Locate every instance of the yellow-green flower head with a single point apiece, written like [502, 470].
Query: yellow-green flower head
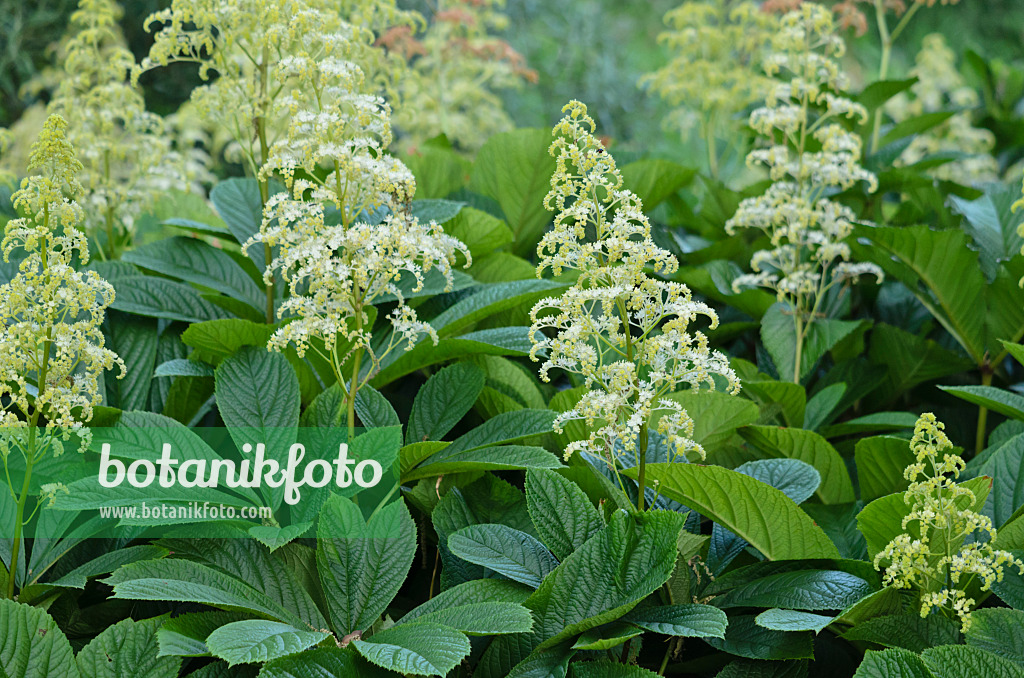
[51, 346]
[806, 230]
[456, 68]
[939, 87]
[931, 556]
[716, 47]
[127, 159]
[626, 334]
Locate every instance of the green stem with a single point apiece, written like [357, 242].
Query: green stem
[979, 436]
[641, 476]
[799, 345]
[664, 660]
[353, 384]
[261, 133]
[709, 139]
[883, 69]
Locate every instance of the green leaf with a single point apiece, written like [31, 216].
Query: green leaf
[964, 661]
[691, 621]
[778, 619]
[218, 339]
[257, 388]
[999, 631]
[809, 447]
[877, 93]
[256, 640]
[435, 209]
[439, 171]
[910, 360]
[362, 570]
[195, 261]
[992, 224]
[998, 400]
[470, 595]
[183, 367]
[321, 663]
[504, 428]
[892, 663]
[654, 180]
[500, 458]
[880, 463]
[907, 631]
[128, 649]
[760, 514]
[744, 638]
[185, 635]
[481, 619]
[239, 204]
[481, 232]
[374, 410]
[186, 581]
[606, 637]
[485, 301]
[443, 400]
[515, 169]
[609, 669]
[135, 340]
[507, 551]
[32, 645]
[778, 334]
[1006, 468]
[106, 563]
[879, 422]
[420, 648]
[914, 126]
[561, 512]
[796, 479]
[799, 590]
[162, 298]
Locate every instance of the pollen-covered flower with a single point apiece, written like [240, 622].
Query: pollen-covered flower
[932, 555]
[456, 69]
[940, 87]
[716, 47]
[623, 332]
[806, 228]
[127, 159]
[51, 346]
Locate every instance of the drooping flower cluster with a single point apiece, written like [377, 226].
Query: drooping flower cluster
[623, 332]
[940, 87]
[932, 556]
[336, 257]
[127, 158]
[714, 73]
[51, 346]
[456, 68]
[805, 227]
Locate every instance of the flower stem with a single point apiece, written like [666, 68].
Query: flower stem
[261, 133]
[979, 436]
[641, 477]
[799, 347]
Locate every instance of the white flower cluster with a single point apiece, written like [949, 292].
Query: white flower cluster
[127, 159]
[624, 333]
[935, 559]
[805, 227]
[51, 346]
[939, 87]
[336, 260]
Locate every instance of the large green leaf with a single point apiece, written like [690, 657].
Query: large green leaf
[910, 360]
[128, 649]
[162, 298]
[880, 463]
[135, 340]
[481, 619]
[892, 663]
[257, 640]
[998, 400]
[654, 180]
[507, 551]
[1006, 468]
[195, 261]
[778, 334]
[419, 648]
[691, 621]
[487, 300]
[239, 204]
[998, 630]
[32, 645]
[257, 388]
[992, 223]
[504, 428]
[561, 512]
[778, 619]
[744, 638]
[908, 631]
[362, 569]
[441, 402]
[498, 458]
[758, 513]
[809, 447]
[481, 232]
[609, 669]
[511, 341]
[185, 635]
[800, 590]
[965, 661]
[186, 581]
[515, 169]
[321, 663]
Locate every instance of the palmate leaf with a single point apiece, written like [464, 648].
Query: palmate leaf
[602, 580]
[362, 571]
[507, 551]
[32, 645]
[128, 649]
[420, 648]
[760, 514]
[257, 640]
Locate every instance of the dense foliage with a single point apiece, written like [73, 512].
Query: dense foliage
[643, 413]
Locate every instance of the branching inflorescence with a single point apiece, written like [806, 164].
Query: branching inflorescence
[810, 157]
[933, 555]
[623, 332]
